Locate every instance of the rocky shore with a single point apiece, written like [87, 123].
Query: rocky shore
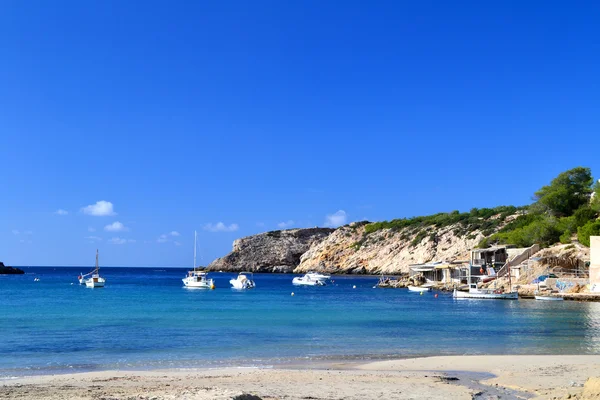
[4, 270]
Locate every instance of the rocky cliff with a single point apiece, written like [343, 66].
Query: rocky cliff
[4, 270]
[276, 251]
[367, 248]
[349, 250]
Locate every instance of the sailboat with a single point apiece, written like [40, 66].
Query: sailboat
[197, 278]
[95, 281]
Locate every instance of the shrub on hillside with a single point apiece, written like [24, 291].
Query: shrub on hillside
[592, 228]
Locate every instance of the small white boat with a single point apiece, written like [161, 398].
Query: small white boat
[419, 288]
[306, 280]
[197, 278]
[318, 276]
[244, 280]
[485, 294]
[95, 281]
[548, 298]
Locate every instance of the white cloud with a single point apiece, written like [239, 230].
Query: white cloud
[15, 232]
[176, 243]
[284, 225]
[93, 238]
[117, 240]
[221, 227]
[91, 229]
[162, 239]
[336, 219]
[116, 227]
[102, 208]
[174, 233]
[28, 233]
[260, 224]
[60, 211]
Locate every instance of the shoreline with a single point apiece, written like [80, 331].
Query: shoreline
[437, 377]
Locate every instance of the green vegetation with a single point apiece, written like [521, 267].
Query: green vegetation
[567, 205]
[566, 193]
[561, 208]
[592, 228]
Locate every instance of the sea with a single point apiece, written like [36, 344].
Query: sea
[145, 319]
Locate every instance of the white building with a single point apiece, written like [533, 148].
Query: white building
[595, 263]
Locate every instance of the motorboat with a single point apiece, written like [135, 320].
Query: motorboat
[95, 280]
[476, 293]
[318, 276]
[197, 278]
[419, 288]
[244, 280]
[549, 298]
[546, 297]
[306, 280]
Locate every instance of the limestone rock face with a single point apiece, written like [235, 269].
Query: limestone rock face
[276, 251]
[349, 251]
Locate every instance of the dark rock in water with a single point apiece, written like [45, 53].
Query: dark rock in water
[246, 396]
[276, 251]
[4, 270]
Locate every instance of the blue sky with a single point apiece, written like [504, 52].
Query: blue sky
[233, 117]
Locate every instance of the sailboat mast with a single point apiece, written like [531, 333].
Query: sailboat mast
[195, 236]
[96, 260]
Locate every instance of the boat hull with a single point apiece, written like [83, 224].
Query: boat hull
[549, 298]
[198, 284]
[306, 282]
[418, 289]
[236, 284]
[491, 296]
[95, 284]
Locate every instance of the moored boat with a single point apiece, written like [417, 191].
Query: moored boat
[485, 294]
[306, 280]
[244, 280]
[548, 298]
[197, 278]
[475, 292]
[95, 280]
[419, 289]
[318, 276]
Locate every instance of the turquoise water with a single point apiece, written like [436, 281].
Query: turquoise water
[144, 318]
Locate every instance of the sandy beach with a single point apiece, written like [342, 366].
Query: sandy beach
[451, 377]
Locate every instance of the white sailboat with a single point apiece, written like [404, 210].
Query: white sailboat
[95, 280]
[197, 278]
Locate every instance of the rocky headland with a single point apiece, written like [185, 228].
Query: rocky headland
[275, 251]
[4, 270]
[364, 247]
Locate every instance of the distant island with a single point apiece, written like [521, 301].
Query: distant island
[4, 270]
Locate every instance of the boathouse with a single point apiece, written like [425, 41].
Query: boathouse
[440, 272]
